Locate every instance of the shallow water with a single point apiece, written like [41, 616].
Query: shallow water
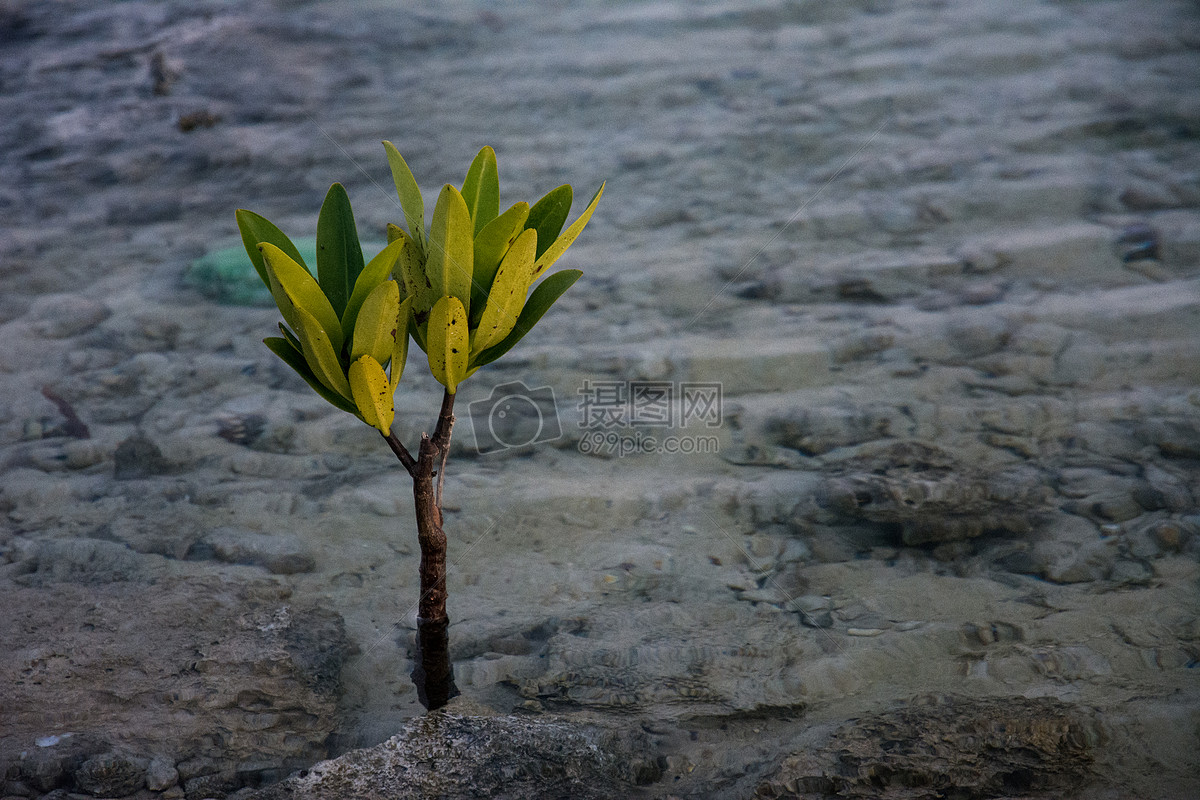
[942, 260]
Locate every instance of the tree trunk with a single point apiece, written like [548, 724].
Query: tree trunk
[432, 672]
[432, 605]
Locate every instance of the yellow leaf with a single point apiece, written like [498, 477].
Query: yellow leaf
[375, 330]
[451, 254]
[560, 245]
[294, 288]
[447, 342]
[377, 270]
[507, 295]
[372, 394]
[319, 353]
[400, 346]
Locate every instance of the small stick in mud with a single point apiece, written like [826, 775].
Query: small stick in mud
[73, 426]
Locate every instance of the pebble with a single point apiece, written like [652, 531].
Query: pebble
[110, 775]
[816, 611]
[864, 632]
[161, 774]
[280, 554]
[1171, 536]
[138, 457]
[64, 316]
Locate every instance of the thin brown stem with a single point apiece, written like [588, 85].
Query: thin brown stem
[441, 438]
[401, 452]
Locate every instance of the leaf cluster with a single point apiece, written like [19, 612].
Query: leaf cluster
[459, 289]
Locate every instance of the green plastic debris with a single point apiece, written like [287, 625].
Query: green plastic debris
[228, 277]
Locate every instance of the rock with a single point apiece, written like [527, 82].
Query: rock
[456, 756]
[161, 774]
[216, 784]
[160, 667]
[281, 554]
[929, 493]
[138, 457]
[1063, 562]
[1175, 437]
[814, 431]
[111, 775]
[975, 335]
[1172, 536]
[815, 611]
[952, 746]
[64, 316]
[81, 562]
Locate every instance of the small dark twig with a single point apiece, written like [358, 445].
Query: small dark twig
[441, 438]
[74, 426]
[401, 452]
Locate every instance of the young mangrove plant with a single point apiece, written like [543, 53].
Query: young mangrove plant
[460, 290]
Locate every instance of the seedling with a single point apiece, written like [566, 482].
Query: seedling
[459, 289]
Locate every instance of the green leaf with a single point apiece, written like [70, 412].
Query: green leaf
[417, 329]
[255, 230]
[375, 333]
[339, 255]
[548, 215]
[400, 345]
[491, 244]
[481, 189]
[291, 337]
[410, 271]
[372, 394]
[451, 253]
[554, 251]
[449, 344]
[373, 274]
[507, 295]
[320, 354]
[295, 289]
[410, 195]
[292, 356]
[538, 304]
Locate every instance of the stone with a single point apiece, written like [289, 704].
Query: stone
[64, 316]
[158, 667]
[1061, 562]
[216, 784]
[814, 431]
[138, 457]
[456, 756]
[82, 562]
[929, 493]
[281, 554]
[111, 775]
[161, 774]
[947, 746]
